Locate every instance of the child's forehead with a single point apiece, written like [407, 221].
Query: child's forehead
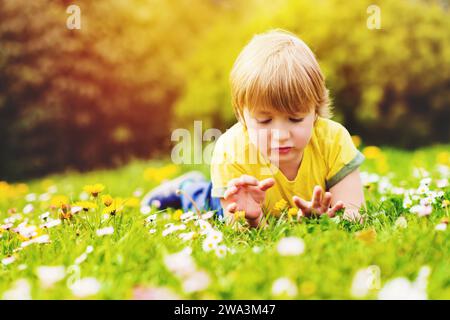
[273, 111]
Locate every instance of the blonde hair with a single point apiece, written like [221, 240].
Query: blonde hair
[277, 70]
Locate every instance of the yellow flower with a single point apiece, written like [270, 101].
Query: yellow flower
[177, 214]
[94, 189]
[65, 212]
[445, 203]
[132, 202]
[107, 200]
[356, 140]
[116, 206]
[160, 174]
[372, 152]
[58, 201]
[239, 214]
[443, 158]
[292, 212]
[367, 236]
[279, 206]
[86, 205]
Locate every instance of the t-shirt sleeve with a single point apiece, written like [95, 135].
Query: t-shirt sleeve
[343, 157]
[223, 169]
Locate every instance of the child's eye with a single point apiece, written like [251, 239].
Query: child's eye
[264, 121]
[296, 119]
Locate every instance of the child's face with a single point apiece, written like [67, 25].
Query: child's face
[280, 137]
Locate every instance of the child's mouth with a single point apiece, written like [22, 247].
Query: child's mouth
[283, 150]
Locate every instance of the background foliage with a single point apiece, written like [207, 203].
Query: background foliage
[95, 97]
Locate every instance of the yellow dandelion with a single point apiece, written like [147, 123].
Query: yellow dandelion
[443, 158]
[86, 205]
[292, 212]
[240, 214]
[445, 203]
[94, 189]
[132, 202]
[372, 152]
[367, 236]
[116, 207]
[58, 200]
[356, 140]
[107, 200]
[65, 213]
[279, 206]
[159, 174]
[177, 214]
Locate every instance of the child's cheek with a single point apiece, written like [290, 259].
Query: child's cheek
[301, 137]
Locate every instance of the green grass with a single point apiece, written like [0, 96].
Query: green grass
[132, 257]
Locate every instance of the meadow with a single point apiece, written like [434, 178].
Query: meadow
[86, 236]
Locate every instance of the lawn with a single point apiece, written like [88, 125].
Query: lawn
[58, 241]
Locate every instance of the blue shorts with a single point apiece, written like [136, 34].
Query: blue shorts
[200, 192]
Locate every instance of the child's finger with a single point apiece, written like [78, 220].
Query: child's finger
[266, 184]
[317, 197]
[246, 180]
[232, 207]
[338, 206]
[301, 204]
[326, 201]
[230, 191]
[232, 182]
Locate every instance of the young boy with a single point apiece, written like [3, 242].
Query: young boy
[283, 145]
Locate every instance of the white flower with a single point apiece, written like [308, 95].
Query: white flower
[105, 231]
[186, 236]
[45, 197]
[75, 209]
[196, 281]
[152, 231]
[403, 289]
[441, 227]
[221, 251]
[291, 246]
[208, 215]
[401, 223]
[208, 244]
[421, 211]
[44, 216]
[150, 218]
[205, 226]
[173, 228]
[20, 291]
[41, 239]
[422, 189]
[81, 258]
[89, 249]
[186, 215]
[146, 210]
[214, 236]
[51, 223]
[8, 260]
[425, 181]
[180, 263]
[30, 197]
[48, 276]
[284, 286]
[365, 280]
[85, 287]
[84, 196]
[28, 208]
[407, 202]
[256, 249]
[442, 183]
[22, 267]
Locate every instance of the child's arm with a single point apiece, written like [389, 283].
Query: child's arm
[347, 193]
[246, 194]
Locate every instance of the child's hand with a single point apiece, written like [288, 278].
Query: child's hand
[320, 204]
[247, 193]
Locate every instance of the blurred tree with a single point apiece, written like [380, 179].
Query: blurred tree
[79, 99]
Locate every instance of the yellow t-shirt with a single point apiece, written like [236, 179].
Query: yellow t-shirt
[327, 159]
